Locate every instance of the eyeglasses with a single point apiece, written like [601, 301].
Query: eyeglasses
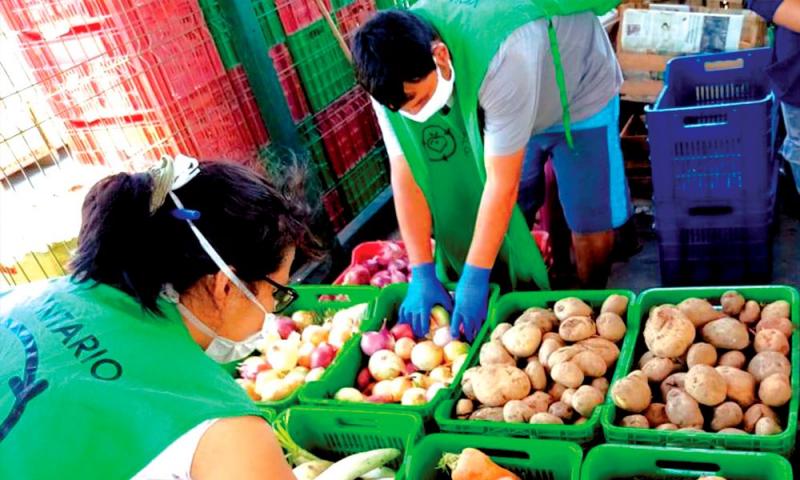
[284, 296]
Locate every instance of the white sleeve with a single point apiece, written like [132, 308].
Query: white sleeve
[175, 462]
[389, 138]
[509, 94]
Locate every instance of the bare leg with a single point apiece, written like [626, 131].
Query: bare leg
[592, 256]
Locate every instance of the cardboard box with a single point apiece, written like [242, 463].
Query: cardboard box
[644, 70]
[636, 153]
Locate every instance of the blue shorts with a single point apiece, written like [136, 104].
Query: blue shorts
[591, 177]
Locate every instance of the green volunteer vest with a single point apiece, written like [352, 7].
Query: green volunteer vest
[92, 387]
[445, 153]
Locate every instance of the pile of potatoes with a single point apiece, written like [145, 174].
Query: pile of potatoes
[549, 367]
[711, 370]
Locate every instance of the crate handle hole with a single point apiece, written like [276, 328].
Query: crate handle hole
[362, 423]
[333, 298]
[498, 452]
[685, 466]
[724, 65]
[713, 211]
[693, 121]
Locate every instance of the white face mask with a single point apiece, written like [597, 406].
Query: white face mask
[440, 97]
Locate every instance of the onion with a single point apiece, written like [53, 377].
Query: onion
[433, 390]
[403, 347]
[414, 396]
[458, 363]
[283, 326]
[303, 318]
[315, 374]
[439, 317]
[421, 380]
[399, 386]
[442, 374]
[323, 355]
[402, 330]
[381, 279]
[283, 355]
[379, 399]
[371, 342]
[454, 350]
[398, 265]
[315, 334]
[397, 277]
[390, 251]
[372, 265]
[383, 389]
[249, 386]
[364, 379]
[349, 395]
[304, 354]
[339, 335]
[385, 365]
[357, 275]
[427, 356]
[411, 368]
[442, 337]
[251, 367]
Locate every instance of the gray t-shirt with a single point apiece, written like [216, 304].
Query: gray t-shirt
[519, 94]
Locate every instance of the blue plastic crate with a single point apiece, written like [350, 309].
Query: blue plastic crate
[712, 129]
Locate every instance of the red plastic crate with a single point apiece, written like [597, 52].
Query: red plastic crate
[247, 102]
[290, 82]
[297, 14]
[354, 15]
[334, 207]
[349, 130]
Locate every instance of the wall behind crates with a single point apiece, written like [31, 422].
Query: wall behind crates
[332, 115]
[92, 87]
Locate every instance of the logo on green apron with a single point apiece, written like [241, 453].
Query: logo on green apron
[439, 143]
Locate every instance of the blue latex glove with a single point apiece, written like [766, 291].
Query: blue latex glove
[424, 292]
[472, 298]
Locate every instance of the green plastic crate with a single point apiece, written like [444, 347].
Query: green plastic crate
[507, 309]
[333, 434]
[269, 21]
[352, 360]
[220, 32]
[318, 164]
[337, 4]
[529, 459]
[268, 414]
[782, 443]
[618, 462]
[366, 180]
[325, 72]
[309, 299]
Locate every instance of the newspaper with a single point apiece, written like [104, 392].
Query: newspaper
[665, 31]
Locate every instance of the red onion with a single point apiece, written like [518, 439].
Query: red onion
[371, 342]
[398, 265]
[357, 275]
[398, 277]
[442, 337]
[389, 252]
[379, 399]
[364, 379]
[411, 368]
[381, 279]
[322, 356]
[372, 265]
[402, 330]
[283, 326]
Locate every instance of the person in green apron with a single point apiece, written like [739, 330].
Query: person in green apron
[116, 371]
[472, 97]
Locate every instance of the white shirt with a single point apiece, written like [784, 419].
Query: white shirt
[175, 462]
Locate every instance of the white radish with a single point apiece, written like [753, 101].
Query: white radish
[310, 470]
[352, 467]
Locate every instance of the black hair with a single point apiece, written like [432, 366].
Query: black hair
[392, 48]
[249, 220]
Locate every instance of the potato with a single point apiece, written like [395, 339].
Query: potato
[499, 330]
[779, 309]
[646, 358]
[571, 307]
[691, 429]
[701, 354]
[575, 329]
[611, 326]
[765, 364]
[590, 363]
[557, 391]
[734, 358]
[668, 333]
[727, 333]
[667, 426]
[549, 345]
[494, 353]
[464, 407]
[726, 415]
[674, 381]
[536, 374]
[741, 385]
[564, 354]
[541, 318]
[732, 431]
[601, 384]
[699, 311]
[751, 312]
[711, 477]
[545, 418]
[771, 340]
[683, 410]
[635, 421]
[656, 414]
[495, 385]
[586, 399]
[567, 374]
[658, 369]
[539, 402]
[783, 324]
[756, 413]
[566, 397]
[775, 390]
[603, 347]
[615, 304]
[561, 410]
[767, 426]
[522, 340]
[732, 303]
[517, 411]
[638, 374]
[631, 394]
[489, 414]
[705, 385]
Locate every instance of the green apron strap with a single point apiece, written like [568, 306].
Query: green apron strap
[561, 81]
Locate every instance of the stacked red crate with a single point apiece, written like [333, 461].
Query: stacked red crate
[349, 130]
[290, 81]
[298, 14]
[352, 16]
[249, 107]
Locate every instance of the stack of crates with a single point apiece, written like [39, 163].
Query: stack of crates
[712, 139]
[133, 79]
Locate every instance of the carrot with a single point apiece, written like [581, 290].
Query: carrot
[473, 464]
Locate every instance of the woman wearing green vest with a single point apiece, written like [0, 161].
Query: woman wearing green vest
[114, 372]
[472, 97]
